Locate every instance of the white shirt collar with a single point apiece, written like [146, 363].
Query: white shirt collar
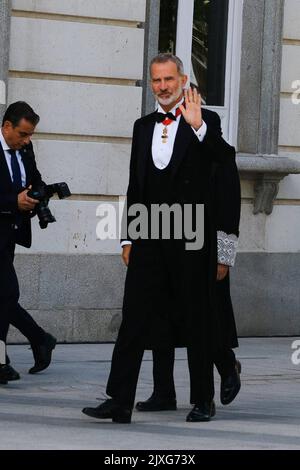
[3, 141]
[160, 110]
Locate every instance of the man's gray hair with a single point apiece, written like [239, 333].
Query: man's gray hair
[168, 57]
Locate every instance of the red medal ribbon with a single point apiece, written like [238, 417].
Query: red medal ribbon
[168, 121]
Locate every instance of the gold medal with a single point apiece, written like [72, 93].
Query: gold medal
[165, 135]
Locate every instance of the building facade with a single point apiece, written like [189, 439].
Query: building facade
[83, 66]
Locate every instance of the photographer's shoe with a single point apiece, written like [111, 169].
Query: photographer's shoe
[8, 374]
[42, 354]
[109, 410]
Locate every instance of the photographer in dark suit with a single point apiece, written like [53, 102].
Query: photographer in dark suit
[18, 173]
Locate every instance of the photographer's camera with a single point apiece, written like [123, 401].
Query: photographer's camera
[43, 194]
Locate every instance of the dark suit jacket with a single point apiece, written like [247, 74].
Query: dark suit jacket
[9, 212]
[204, 173]
[194, 166]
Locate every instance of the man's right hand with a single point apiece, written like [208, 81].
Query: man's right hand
[25, 203]
[126, 253]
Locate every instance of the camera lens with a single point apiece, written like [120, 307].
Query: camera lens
[44, 215]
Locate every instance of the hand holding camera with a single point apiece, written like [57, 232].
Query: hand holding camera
[41, 195]
[26, 203]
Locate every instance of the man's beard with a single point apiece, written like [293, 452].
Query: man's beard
[172, 99]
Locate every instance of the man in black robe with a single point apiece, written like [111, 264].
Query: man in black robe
[227, 208]
[170, 291]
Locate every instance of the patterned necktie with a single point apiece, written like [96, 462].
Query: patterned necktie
[16, 172]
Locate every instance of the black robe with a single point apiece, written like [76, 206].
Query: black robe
[171, 295]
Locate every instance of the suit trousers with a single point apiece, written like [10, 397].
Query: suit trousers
[129, 348]
[11, 311]
[163, 370]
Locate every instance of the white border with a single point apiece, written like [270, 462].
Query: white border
[184, 33]
[2, 92]
[233, 67]
[229, 112]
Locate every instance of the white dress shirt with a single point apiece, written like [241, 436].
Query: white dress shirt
[162, 152]
[7, 155]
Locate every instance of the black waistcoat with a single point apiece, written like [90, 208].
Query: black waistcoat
[157, 192]
[157, 183]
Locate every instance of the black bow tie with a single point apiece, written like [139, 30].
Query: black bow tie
[160, 117]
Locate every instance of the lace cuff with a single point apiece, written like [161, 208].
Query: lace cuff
[227, 248]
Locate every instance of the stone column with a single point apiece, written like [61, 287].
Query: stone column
[151, 49]
[271, 77]
[260, 100]
[260, 77]
[5, 8]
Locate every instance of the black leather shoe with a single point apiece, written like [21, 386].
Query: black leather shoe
[202, 412]
[42, 354]
[155, 403]
[230, 386]
[109, 410]
[8, 374]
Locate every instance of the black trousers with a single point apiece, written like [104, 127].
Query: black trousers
[149, 279]
[11, 311]
[163, 370]
[125, 368]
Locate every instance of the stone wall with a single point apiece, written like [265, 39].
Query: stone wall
[79, 64]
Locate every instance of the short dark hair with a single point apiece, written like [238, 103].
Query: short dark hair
[164, 57]
[18, 111]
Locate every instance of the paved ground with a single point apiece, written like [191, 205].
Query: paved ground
[43, 411]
